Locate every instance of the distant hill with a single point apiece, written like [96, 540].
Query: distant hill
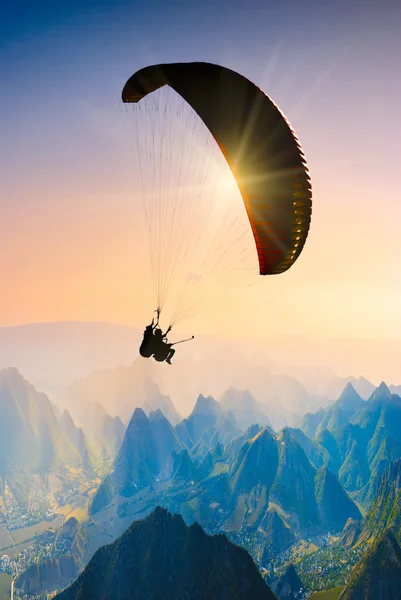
[245, 408]
[119, 390]
[110, 436]
[378, 575]
[160, 557]
[271, 397]
[77, 438]
[59, 353]
[158, 401]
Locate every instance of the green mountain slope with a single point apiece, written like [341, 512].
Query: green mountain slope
[385, 510]
[334, 416]
[378, 575]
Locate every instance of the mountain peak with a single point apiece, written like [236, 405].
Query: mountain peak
[289, 584]
[206, 405]
[235, 396]
[381, 393]
[383, 389]
[158, 557]
[157, 415]
[349, 399]
[10, 374]
[138, 417]
[66, 420]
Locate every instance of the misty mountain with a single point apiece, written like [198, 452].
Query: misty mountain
[160, 557]
[104, 432]
[30, 433]
[145, 454]
[246, 410]
[282, 397]
[59, 353]
[205, 414]
[119, 390]
[158, 401]
[223, 431]
[395, 389]
[378, 575]
[111, 435]
[78, 440]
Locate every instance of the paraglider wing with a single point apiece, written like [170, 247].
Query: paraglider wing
[259, 145]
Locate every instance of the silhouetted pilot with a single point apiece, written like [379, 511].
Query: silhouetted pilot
[146, 348]
[155, 344]
[162, 350]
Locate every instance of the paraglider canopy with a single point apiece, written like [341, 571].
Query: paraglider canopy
[259, 145]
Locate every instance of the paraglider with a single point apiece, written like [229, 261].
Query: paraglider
[262, 152]
[154, 342]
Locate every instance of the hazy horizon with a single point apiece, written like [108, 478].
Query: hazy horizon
[72, 350]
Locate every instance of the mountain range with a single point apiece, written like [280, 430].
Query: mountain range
[361, 438]
[256, 479]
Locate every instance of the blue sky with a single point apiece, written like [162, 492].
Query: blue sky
[333, 68]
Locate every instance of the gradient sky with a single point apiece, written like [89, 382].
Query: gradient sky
[70, 227]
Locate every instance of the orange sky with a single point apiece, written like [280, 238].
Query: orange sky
[72, 233]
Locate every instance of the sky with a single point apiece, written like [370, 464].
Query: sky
[73, 242]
